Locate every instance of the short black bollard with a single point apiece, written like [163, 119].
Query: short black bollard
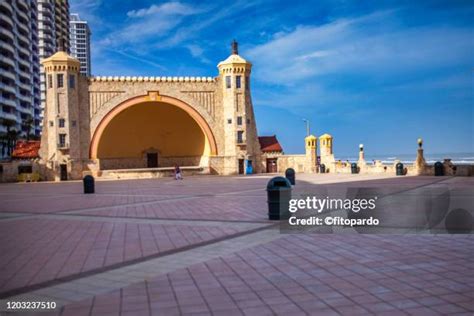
[89, 184]
[354, 168]
[399, 169]
[322, 168]
[438, 169]
[290, 175]
[278, 198]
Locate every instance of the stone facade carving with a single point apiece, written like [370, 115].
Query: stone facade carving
[98, 98]
[206, 99]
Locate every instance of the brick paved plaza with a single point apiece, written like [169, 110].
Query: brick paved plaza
[204, 246]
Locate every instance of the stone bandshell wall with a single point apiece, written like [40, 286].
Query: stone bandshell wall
[203, 96]
[105, 93]
[136, 163]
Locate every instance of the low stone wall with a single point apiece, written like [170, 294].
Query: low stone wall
[133, 169]
[136, 163]
[297, 162]
[409, 169]
[149, 173]
[373, 168]
[122, 163]
[9, 169]
[464, 170]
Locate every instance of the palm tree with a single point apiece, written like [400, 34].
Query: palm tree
[28, 124]
[11, 135]
[3, 143]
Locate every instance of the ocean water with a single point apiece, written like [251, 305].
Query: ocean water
[456, 158]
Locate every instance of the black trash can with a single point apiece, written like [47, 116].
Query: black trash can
[354, 168]
[399, 169]
[290, 175]
[278, 198]
[89, 184]
[439, 169]
[322, 168]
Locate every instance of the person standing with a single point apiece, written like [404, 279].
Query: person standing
[177, 173]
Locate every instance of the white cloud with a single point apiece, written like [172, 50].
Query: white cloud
[198, 52]
[195, 50]
[85, 4]
[169, 8]
[168, 25]
[374, 45]
[315, 54]
[87, 10]
[192, 30]
[140, 59]
[152, 23]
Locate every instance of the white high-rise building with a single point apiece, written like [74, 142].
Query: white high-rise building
[19, 72]
[53, 32]
[79, 42]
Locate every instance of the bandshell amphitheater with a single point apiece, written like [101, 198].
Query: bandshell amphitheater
[143, 126]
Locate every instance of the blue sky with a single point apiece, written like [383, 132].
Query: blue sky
[382, 73]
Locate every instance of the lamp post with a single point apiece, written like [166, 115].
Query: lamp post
[361, 154]
[307, 126]
[420, 163]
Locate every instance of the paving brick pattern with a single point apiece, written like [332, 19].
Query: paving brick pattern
[53, 204]
[39, 250]
[232, 208]
[214, 263]
[310, 275]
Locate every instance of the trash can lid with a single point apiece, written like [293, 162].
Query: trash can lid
[278, 182]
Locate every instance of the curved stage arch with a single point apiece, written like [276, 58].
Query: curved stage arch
[109, 117]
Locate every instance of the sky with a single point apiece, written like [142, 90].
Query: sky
[381, 73]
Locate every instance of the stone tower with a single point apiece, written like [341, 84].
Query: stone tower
[60, 150]
[311, 153]
[326, 150]
[240, 130]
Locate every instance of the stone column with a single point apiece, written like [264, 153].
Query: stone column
[420, 163]
[311, 153]
[326, 150]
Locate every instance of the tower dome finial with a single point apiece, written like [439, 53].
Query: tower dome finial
[235, 47]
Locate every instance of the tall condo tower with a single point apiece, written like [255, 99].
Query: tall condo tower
[79, 42]
[19, 72]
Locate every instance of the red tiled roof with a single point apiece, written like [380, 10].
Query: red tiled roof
[26, 149]
[269, 144]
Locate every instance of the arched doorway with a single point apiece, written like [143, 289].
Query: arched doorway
[145, 133]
